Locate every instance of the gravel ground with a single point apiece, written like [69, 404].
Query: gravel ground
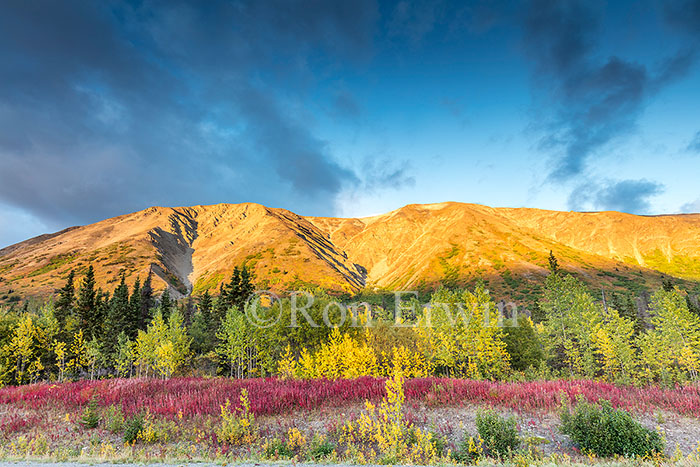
[681, 433]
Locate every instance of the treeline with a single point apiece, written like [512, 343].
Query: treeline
[87, 333]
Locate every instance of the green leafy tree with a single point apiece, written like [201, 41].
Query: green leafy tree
[174, 352]
[125, 356]
[94, 357]
[462, 334]
[572, 317]
[234, 340]
[670, 351]
[146, 347]
[613, 340]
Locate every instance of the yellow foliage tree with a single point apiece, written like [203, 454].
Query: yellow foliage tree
[463, 336]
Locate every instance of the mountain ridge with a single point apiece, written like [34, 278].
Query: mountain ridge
[193, 248]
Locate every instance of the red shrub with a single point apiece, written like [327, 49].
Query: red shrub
[271, 396]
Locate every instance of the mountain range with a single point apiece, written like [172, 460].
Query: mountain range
[193, 249]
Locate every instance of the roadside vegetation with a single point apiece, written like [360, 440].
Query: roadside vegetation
[128, 375]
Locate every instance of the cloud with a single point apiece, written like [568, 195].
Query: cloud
[631, 196]
[594, 100]
[383, 173]
[345, 105]
[691, 207]
[109, 108]
[684, 15]
[414, 20]
[694, 145]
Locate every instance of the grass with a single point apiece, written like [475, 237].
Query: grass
[210, 282]
[54, 263]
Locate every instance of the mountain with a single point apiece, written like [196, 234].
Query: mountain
[192, 249]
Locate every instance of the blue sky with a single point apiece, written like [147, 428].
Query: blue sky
[345, 108]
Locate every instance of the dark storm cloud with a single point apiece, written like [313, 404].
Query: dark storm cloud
[595, 100]
[683, 15]
[631, 196]
[110, 107]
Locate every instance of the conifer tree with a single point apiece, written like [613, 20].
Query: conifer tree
[116, 319]
[133, 317]
[85, 306]
[166, 304]
[553, 263]
[101, 312]
[233, 288]
[147, 301]
[203, 328]
[205, 306]
[66, 297]
[187, 309]
[245, 288]
[667, 285]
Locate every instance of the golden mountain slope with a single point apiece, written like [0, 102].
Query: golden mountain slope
[195, 249]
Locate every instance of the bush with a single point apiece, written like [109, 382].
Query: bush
[606, 432]
[132, 427]
[238, 426]
[277, 448]
[91, 415]
[469, 451]
[321, 448]
[500, 434]
[114, 419]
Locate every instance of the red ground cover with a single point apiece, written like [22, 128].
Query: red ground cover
[195, 396]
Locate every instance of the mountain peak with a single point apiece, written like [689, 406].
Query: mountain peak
[194, 248]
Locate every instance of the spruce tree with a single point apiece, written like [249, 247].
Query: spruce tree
[119, 312]
[188, 309]
[553, 263]
[66, 298]
[245, 288]
[205, 306]
[166, 304]
[101, 312]
[85, 306]
[147, 302]
[133, 316]
[667, 284]
[233, 289]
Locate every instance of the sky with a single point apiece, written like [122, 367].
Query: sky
[345, 108]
